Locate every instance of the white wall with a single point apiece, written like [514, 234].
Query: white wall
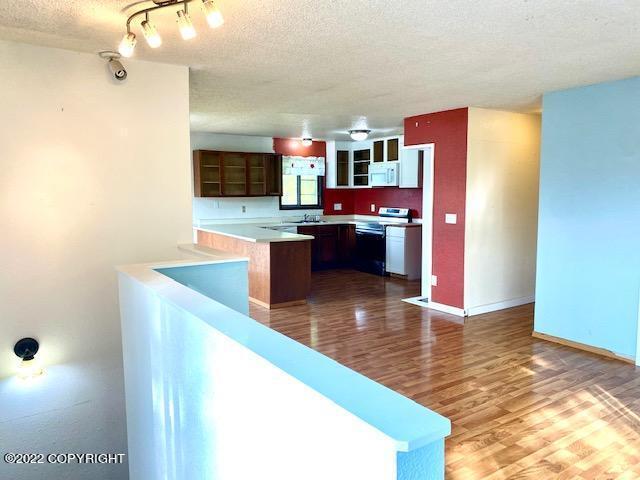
[217, 410]
[93, 173]
[503, 152]
[206, 209]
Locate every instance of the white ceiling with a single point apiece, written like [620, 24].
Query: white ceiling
[278, 67]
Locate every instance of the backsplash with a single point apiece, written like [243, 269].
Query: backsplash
[205, 209]
[359, 200]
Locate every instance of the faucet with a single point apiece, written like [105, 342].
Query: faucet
[306, 218]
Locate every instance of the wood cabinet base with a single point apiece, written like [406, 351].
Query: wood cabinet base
[279, 272]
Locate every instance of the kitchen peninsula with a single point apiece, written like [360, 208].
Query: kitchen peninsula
[279, 262]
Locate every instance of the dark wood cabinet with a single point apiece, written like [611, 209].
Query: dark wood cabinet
[324, 247]
[332, 246]
[346, 244]
[236, 174]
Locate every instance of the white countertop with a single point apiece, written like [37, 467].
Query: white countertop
[260, 231]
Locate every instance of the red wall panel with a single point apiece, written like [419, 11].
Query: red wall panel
[359, 201]
[294, 147]
[388, 197]
[338, 195]
[448, 131]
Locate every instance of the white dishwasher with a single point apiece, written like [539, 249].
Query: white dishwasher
[404, 251]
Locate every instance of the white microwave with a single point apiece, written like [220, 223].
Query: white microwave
[384, 174]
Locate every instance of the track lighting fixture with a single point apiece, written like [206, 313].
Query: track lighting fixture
[185, 25]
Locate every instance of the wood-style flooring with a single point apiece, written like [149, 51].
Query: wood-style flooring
[521, 408]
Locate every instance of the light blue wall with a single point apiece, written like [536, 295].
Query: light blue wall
[226, 283]
[588, 272]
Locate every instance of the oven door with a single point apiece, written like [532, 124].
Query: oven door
[370, 252]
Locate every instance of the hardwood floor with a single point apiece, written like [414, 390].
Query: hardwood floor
[521, 408]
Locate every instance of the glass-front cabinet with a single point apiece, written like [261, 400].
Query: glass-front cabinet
[342, 168]
[361, 161]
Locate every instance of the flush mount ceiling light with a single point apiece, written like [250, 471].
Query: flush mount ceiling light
[151, 35]
[307, 142]
[359, 135]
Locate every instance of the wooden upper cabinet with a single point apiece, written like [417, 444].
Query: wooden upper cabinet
[207, 173]
[393, 152]
[257, 164]
[236, 174]
[274, 174]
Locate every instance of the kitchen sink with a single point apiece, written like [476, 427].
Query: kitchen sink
[309, 221]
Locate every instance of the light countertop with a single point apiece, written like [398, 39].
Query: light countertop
[251, 232]
[261, 231]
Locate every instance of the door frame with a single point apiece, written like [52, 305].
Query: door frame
[428, 156]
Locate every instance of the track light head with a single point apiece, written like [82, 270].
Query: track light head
[212, 13]
[151, 34]
[127, 44]
[187, 31]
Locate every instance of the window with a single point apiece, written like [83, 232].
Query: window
[301, 192]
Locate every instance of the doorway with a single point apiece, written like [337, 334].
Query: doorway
[427, 153]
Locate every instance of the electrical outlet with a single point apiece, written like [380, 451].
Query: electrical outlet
[244, 209]
[337, 206]
[451, 218]
[373, 207]
[434, 280]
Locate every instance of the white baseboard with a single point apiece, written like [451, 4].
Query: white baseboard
[441, 307]
[420, 301]
[492, 307]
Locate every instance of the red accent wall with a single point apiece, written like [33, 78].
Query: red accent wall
[448, 131]
[359, 200]
[338, 195]
[294, 147]
[388, 197]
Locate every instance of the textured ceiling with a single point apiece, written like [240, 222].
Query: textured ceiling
[280, 67]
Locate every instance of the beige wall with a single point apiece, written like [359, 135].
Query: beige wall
[93, 173]
[503, 154]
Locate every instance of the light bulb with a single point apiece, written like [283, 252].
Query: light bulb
[127, 44]
[359, 135]
[151, 34]
[211, 12]
[307, 142]
[186, 27]
[29, 368]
